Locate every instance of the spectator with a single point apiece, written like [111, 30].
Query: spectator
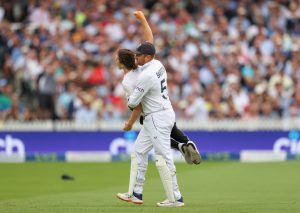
[85, 113]
[64, 101]
[196, 108]
[222, 62]
[5, 98]
[46, 87]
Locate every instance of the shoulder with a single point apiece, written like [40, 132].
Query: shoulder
[131, 75]
[144, 75]
[152, 66]
[156, 64]
[125, 78]
[138, 70]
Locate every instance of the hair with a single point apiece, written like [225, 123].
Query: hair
[127, 58]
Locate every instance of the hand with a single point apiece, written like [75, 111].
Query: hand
[139, 15]
[127, 126]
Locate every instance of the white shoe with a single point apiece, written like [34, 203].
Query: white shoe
[193, 152]
[129, 198]
[167, 203]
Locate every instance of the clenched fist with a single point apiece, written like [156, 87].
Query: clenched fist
[139, 15]
[127, 126]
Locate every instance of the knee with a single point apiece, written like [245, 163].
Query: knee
[160, 161]
[138, 153]
[140, 159]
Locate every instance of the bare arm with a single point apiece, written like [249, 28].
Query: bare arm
[133, 117]
[148, 35]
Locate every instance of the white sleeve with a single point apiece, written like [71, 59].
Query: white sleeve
[143, 85]
[125, 91]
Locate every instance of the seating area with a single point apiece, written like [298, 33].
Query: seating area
[225, 59]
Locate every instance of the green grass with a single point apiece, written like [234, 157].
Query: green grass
[210, 187]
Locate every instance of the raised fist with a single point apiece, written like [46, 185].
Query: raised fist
[139, 14]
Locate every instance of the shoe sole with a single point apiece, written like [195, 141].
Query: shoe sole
[123, 199]
[188, 159]
[195, 156]
[134, 202]
[129, 201]
[182, 205]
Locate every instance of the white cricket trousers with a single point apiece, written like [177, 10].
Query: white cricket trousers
[155, 133]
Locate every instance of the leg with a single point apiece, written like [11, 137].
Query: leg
[178, 135]
[167, 179]
[129, 197]
[133, 174]
[139, 163]
[187, 148]
[165, 176]
[159, 126]
[142, 147]
[174, 144]
[182, 147]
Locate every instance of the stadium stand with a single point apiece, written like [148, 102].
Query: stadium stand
[226, 59]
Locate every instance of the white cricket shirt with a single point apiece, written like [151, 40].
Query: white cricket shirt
[129, 81]
[151, 88]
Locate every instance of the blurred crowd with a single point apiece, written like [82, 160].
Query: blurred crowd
[225, 59]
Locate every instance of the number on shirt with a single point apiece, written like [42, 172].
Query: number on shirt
[163, 87]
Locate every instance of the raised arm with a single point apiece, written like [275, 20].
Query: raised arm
[148, 36]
